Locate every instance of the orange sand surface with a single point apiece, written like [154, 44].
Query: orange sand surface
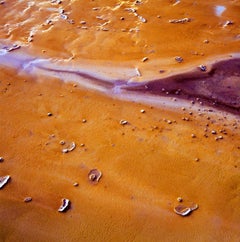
[146, 165]
[67, 79]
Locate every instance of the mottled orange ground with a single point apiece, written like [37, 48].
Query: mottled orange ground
[146, 164]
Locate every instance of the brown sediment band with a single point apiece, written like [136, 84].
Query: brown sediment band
[219, 85]
[216, 83]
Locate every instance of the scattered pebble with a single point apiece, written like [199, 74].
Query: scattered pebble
[94, 175]
[202, 67]
[185, 210]
[138, 72]
[178, 91]
[12, 48]
[56, 1]
[132, 10]
[30, 39]
[65, 205]
[228, 22]
[219, 137]
[64, 16]
[138, 2]
[62, 142]
[179, 59]
[176, 2]
[179, 199]
[71, 21]
[27, 199]
[193, 135]
[84, 121]
[144, 59]
[70, 148]
[49, 21]
[4, 180]
[123, 122]
[49, 114]
[75, 184]
[142, 111]
[1, 159]
[142, 19]
[197, 159]
[181, 21]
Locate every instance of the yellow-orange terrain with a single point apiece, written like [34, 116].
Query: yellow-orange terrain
[148, 91]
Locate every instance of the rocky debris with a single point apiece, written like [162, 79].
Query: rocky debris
[65, 205]
[203, 68]
[12, 48]
[94, 175]
[4, 180]
[181, 21]
[69, 148]
[27, 199]
[179, 199]
[179, 59]
[123, 122]
[228, 22]
[185, 210]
